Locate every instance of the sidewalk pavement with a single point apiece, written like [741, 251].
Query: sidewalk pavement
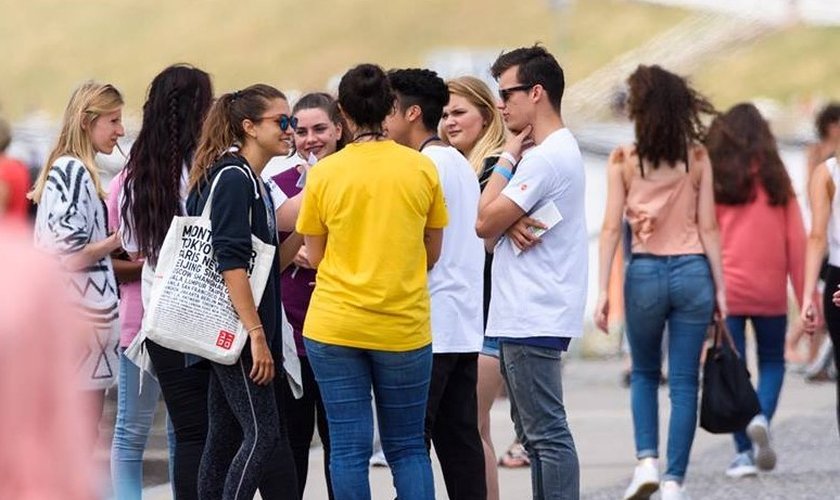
[804, 430]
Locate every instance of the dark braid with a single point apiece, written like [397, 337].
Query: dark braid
[176, 155]
[179, 98]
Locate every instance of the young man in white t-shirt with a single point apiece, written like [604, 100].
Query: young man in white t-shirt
[456, 285]
[540, 293]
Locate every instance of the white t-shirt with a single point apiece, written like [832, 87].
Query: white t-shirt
[456, 282]
[834, 219]
[542, 291]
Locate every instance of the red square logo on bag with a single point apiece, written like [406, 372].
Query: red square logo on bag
[225, 340]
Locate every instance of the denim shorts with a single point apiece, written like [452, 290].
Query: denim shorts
[490, 347]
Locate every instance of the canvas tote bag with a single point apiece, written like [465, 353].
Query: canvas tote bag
[190, 310]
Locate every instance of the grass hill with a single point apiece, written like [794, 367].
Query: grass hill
[49, 46]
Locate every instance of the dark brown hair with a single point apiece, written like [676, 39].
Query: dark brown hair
[534, 66]
[742, 149]
[179, 98]
[827, 116]
[327, 104]
[666, 113]
[223, 126]
[365, 95]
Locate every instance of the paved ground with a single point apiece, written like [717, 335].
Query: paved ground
[805, 435]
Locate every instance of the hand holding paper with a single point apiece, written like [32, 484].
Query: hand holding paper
[548, 215]
[312, 160]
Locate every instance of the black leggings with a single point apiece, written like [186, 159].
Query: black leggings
[452, 424]
[184, 390]
[832, 321]
[246, 446]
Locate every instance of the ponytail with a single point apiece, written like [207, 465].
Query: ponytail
[223, 126]
[216, 137]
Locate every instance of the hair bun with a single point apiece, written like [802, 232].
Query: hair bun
[365, 95]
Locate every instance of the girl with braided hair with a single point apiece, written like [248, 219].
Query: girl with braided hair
[663, 186]
[153, 192]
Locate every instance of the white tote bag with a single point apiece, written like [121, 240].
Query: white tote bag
[189, 306]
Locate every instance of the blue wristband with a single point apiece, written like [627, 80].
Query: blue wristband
[503, 171]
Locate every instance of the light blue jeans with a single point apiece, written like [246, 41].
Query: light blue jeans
[400, 381]
[677, 291]
[770, 340]
[535, 386]
[135, 414]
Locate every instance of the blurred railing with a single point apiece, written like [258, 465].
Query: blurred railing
[820, 12]
[681, 49]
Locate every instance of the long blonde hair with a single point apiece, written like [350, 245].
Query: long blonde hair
[88, 102]
[493, 138]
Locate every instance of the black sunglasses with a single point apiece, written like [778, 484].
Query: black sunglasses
[504, 94]
[284, 121]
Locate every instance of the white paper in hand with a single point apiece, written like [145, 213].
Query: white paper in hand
[312, 160]
[548, 215]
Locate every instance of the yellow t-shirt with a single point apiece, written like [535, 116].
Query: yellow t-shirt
[373, 201]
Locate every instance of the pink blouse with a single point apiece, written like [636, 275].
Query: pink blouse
[131, 303]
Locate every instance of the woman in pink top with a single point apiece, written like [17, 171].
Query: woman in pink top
[663, 186]
[763, 243]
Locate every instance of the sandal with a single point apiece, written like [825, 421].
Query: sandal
[516, 456]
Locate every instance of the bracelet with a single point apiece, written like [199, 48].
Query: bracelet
[254, 328]
[503, 171]
[509, 157]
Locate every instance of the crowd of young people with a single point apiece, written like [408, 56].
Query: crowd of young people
[431, 245]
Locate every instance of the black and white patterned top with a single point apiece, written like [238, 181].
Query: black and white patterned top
[71, 215]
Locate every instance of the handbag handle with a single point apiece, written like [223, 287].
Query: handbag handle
[722, 333]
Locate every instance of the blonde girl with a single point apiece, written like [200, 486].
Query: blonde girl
[72, 224]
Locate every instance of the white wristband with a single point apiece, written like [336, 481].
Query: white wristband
[509, 157]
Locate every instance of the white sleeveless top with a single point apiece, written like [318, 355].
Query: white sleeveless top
[834, 218]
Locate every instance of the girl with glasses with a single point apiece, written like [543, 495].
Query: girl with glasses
[246, 443]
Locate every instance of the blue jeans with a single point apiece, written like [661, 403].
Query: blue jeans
[400, 382]
[770, 340]
[677, 291]
[534, 381]
[135, 414]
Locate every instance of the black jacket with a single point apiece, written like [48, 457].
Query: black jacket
[236, 198]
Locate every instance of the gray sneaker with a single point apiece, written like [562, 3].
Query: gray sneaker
[759, 433]
[742, 466]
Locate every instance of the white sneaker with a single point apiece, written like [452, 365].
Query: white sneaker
[378, 459]
[742, 466]
[672, 490]
[645, 480]
[759, 433]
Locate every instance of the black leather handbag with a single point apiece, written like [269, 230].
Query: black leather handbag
[729, 401]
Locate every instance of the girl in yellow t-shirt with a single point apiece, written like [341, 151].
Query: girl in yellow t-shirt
[372, 217]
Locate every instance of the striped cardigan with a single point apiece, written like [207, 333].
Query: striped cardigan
[71, 215]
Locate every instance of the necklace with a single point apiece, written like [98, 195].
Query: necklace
[428, 141]
[375, 135]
